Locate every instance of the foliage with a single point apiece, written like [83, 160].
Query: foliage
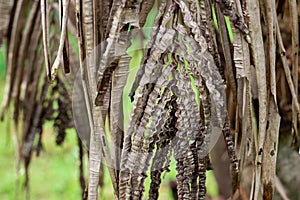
[193, 83]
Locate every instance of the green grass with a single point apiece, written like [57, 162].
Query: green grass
[53, 175]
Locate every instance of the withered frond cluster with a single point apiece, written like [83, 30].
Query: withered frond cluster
[193, 84]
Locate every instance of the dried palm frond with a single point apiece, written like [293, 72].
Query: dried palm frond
[188, 69]
[34, 99]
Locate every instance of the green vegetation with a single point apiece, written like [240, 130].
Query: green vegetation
[52, 176]
[2, 65]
